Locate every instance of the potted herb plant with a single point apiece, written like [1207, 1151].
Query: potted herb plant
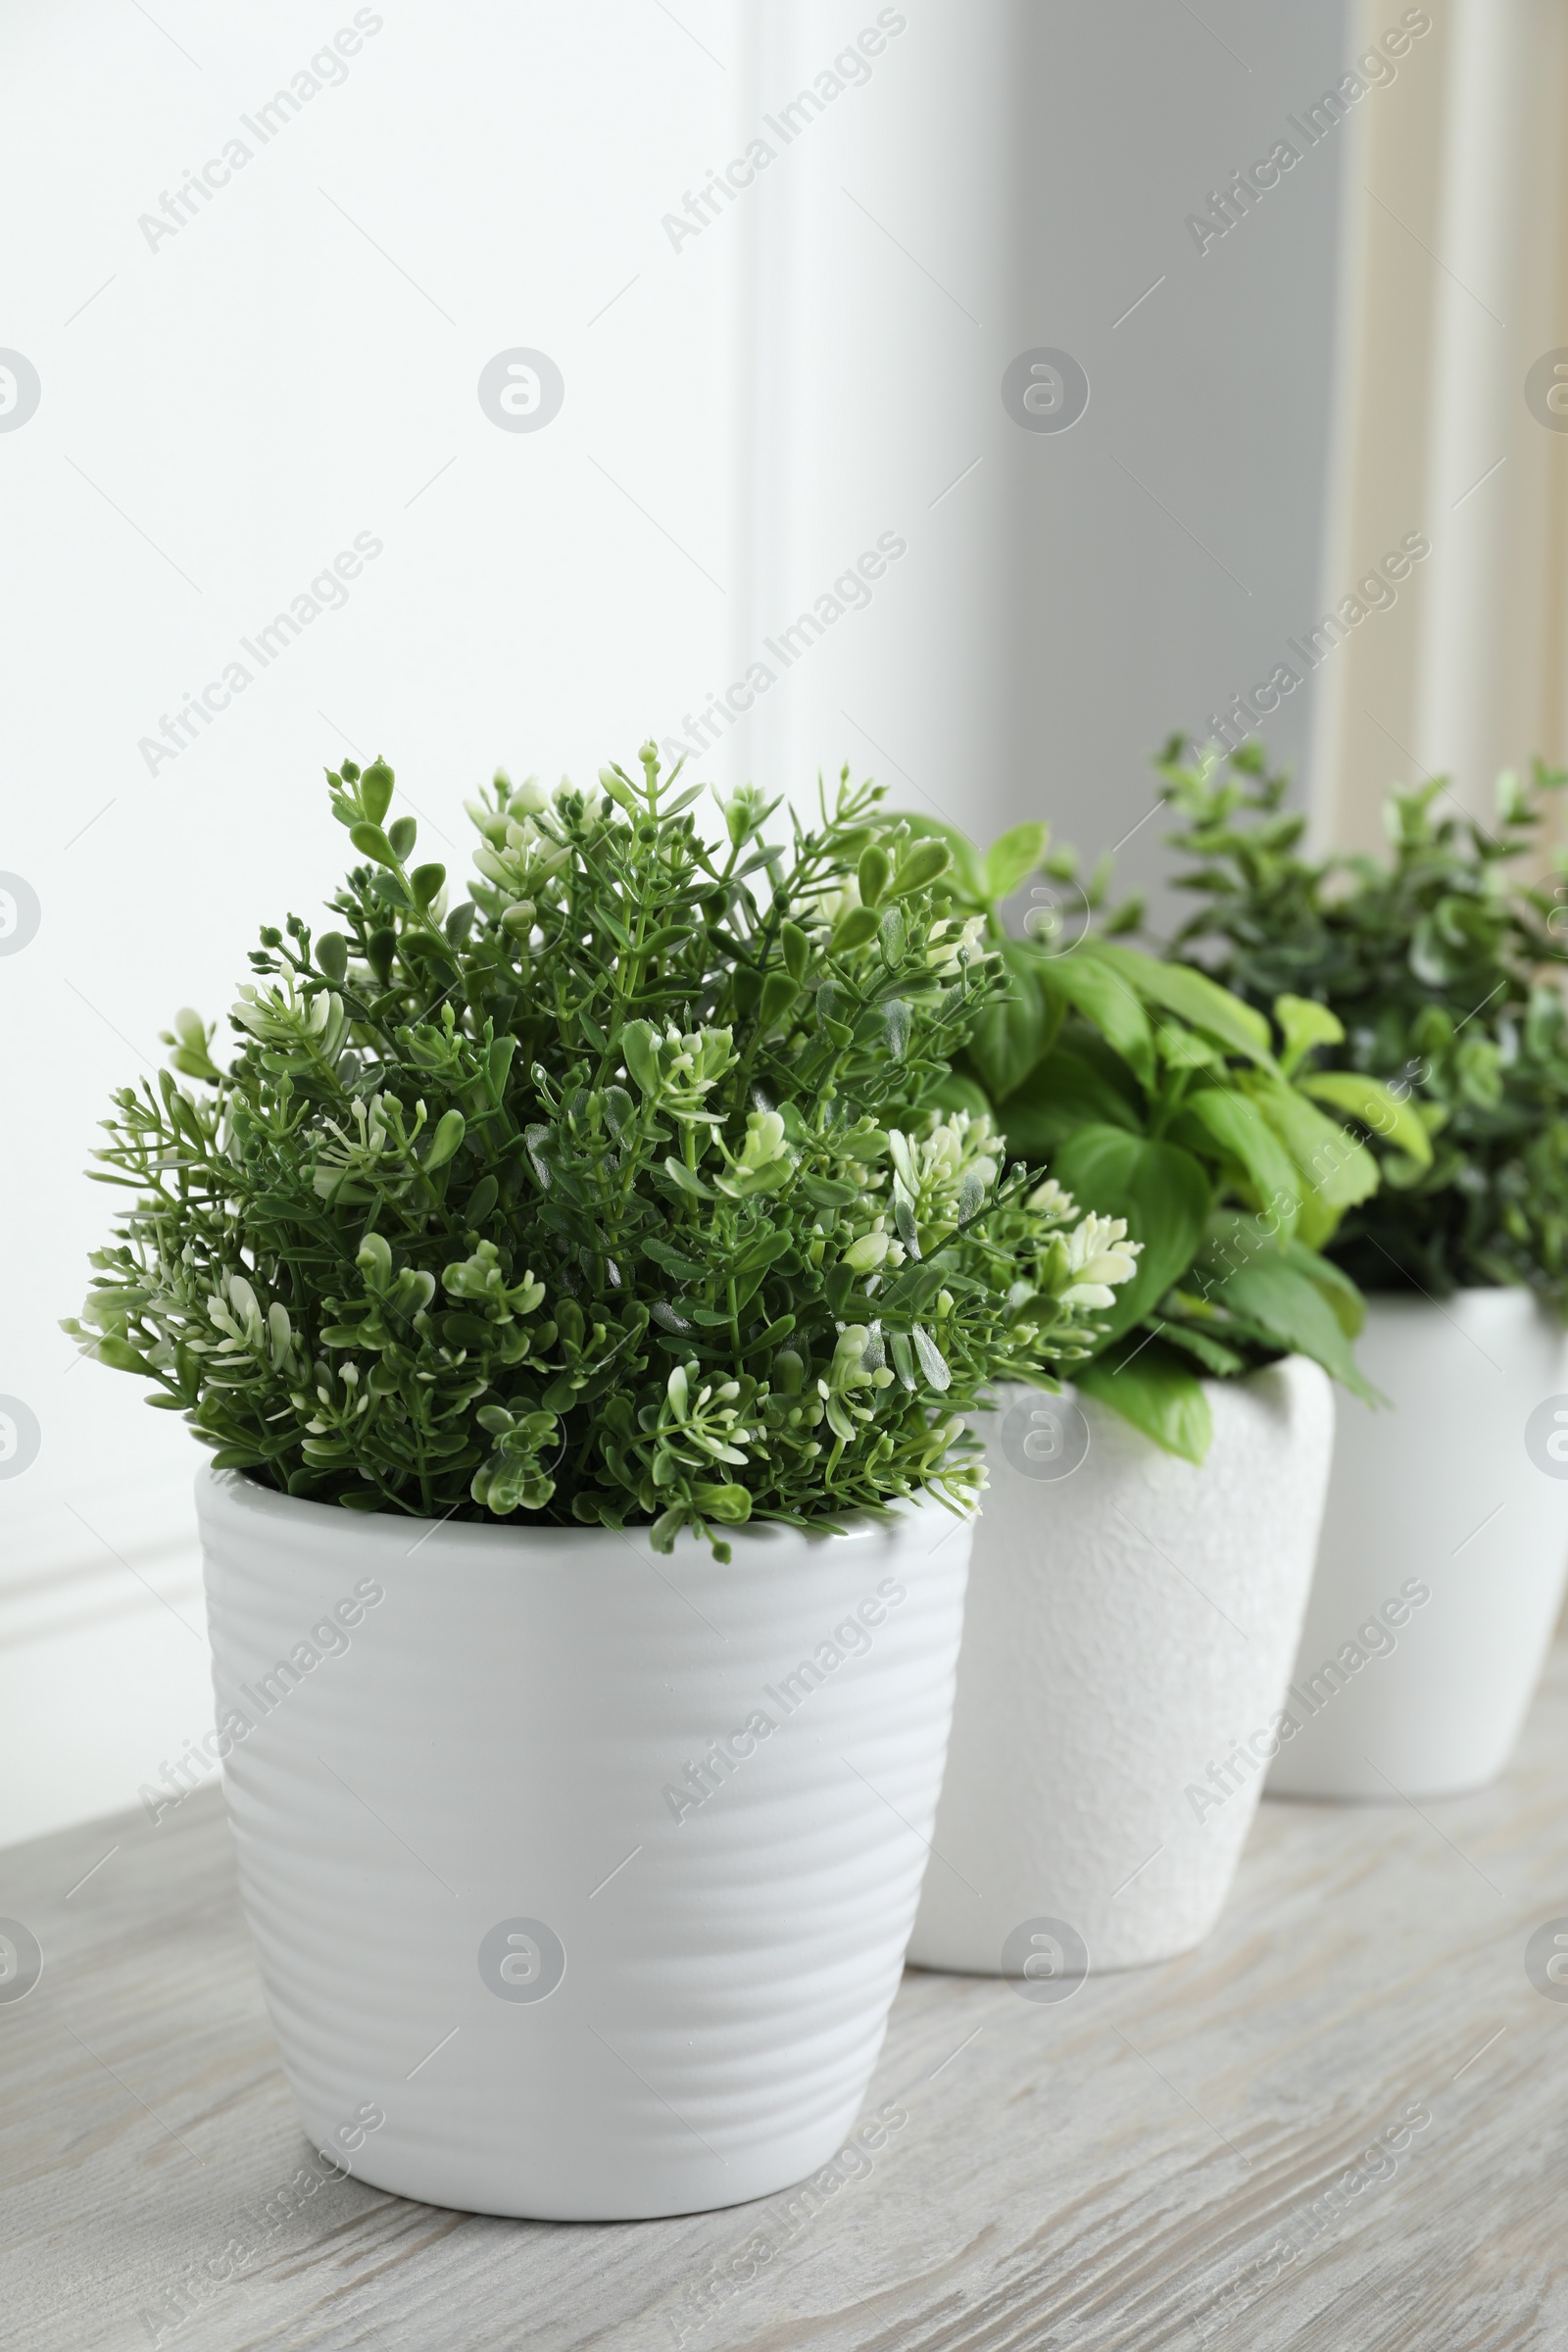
[1436, 973]
[582, 1291]
[1141, 1571]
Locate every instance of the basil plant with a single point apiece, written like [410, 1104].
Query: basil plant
[1161, 1099]
[618, 1191]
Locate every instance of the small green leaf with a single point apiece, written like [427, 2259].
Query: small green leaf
[375, 789]
[779, 993]
[854, 926]
[919, 867]
[450, 1131]
[332, 957]
[680, 1174]
[374, 844]
[638, 1048]
[967, 873]
[872, 872]
[797, 951]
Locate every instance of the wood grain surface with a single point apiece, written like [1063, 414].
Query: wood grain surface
[1171, 2157]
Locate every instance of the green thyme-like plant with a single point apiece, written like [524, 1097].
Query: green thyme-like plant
[1436, 972]
[618, 1193]
[1161, 1099]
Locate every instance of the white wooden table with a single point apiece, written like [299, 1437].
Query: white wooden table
[1170, 2157]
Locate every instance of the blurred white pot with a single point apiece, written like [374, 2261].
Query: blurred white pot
[1445, 1546]
[1131, 1619]
[579, 1878]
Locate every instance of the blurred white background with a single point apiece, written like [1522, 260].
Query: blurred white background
[748, 406]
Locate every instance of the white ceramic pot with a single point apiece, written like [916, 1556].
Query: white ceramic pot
[579, 1877]
[1131, 1620]
[1440, 1573]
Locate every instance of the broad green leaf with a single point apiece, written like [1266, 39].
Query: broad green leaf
[1116, 1011]
[1337, 1289]
[1162, 1193]
[1014, 1033]
[1192, 996]
[1369, 1101]
[1218, 1115]
[1222, 1362]
[958, 1092]
[1061, 1095]
[1305, 1024]
[1334, 1168]
[1012, 859]
[1151, 1387]
[1284, 1301]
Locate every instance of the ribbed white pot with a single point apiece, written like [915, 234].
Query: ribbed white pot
[1131, 1624]
[579, 1877]
[1444, 1547]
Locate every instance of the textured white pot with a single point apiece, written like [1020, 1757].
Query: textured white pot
[1129, 1622]
[1444, 1544]
[516, 1960]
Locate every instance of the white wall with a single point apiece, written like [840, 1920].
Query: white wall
[225, 409]
[1010, 178]
[225, 415]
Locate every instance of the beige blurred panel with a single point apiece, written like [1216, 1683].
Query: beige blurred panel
[1455, 242]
